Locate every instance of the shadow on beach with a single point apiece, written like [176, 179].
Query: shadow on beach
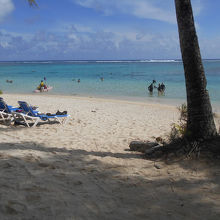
[11, 126]
[59, 183]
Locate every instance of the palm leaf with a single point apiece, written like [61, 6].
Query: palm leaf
[32, 3]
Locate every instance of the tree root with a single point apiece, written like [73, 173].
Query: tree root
[188, 149]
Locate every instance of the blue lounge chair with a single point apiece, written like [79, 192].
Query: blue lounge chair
[6, 111]
[28, 114]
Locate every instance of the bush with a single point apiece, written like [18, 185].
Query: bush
[1, 92]
[178, 130]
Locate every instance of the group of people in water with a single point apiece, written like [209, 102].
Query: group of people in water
[78, 80]
[9, 81]
[160, 88]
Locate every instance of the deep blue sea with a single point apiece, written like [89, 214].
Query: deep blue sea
[121, 79]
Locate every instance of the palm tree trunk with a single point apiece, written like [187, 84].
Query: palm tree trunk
[200, 123]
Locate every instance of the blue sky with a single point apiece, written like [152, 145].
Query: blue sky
[102, 29]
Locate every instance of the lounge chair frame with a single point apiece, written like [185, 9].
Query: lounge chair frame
[29, 114]
[6, 111]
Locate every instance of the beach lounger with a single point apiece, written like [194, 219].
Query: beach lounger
[28, 114]
[6, 111]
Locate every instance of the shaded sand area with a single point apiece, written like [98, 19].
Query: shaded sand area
[82, 170]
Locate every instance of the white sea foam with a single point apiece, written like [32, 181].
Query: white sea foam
[35, 62]
[116, 61]
[136, 61]
[108, 61]
[76, 61]
[161, 61]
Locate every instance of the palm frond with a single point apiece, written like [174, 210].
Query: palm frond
[32, 3]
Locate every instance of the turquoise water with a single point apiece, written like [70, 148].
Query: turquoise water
[122, 79]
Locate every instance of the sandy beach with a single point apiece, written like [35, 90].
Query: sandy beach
[83, 170]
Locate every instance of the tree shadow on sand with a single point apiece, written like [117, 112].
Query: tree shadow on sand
[9, 125]
[56, 183]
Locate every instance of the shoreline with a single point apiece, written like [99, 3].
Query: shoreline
[121, 99]
[113, 100]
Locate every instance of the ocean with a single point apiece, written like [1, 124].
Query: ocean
[107, 79]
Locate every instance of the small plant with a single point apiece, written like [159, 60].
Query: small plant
[178, 130]
[1, 92]
[183, 112]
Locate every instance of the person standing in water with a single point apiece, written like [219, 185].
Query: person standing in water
[150, 88]
[159, 88]
[45, 85]
[163, 87]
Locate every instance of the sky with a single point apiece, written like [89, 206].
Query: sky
[102, 29]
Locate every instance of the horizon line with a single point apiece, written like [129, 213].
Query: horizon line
[156, 59]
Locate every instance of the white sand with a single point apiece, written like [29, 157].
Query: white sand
[82, 170]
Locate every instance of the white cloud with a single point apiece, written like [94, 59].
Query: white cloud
[148, 10]
[197, 7]
[140, 8]
[74, 44]
[6, 7]
[162, 10]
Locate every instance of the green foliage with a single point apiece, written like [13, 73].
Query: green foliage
[183, 112]
[32, 3]
[1, 92]
[179, 130]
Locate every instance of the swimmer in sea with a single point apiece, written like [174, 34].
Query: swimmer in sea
[9, 81]
[159, 88]
[163, 87]
[41, 86]
[150, 88]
